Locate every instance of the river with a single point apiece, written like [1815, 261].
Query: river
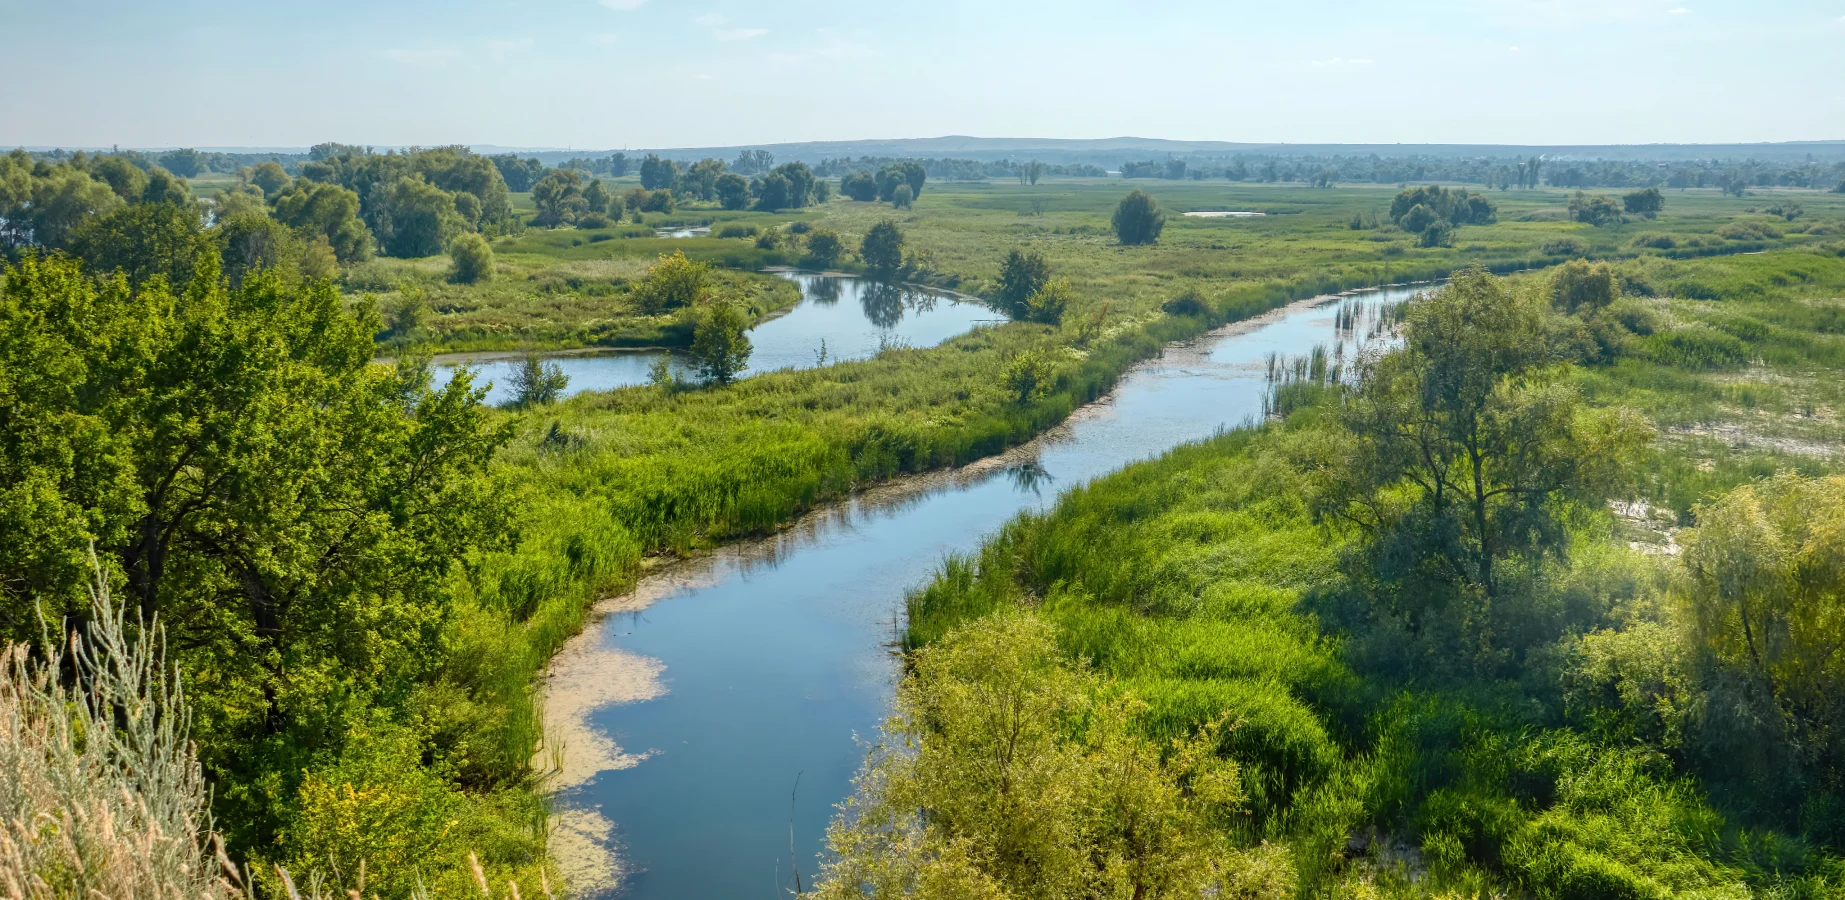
[844, 316]
[691, 708]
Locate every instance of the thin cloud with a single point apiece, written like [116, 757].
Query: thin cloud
[1340, 61]
[607, 38]
[1678, 12]
[427, 58]
[739, 34]
[710, 20]
[623, 5]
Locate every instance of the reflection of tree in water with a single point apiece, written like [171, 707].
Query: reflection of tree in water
[824, 291]
[883, 303]
[1030, 476]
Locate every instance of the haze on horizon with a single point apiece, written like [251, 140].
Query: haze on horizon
[602, 74]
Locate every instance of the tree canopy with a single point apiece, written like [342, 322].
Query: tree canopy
[1138, 219]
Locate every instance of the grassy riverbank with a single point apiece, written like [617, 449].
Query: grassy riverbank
[1391, 760]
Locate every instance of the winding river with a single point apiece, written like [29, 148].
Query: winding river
[838, 318]
[708, 720]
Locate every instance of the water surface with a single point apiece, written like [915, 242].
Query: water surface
[840, 316]
[769, 657]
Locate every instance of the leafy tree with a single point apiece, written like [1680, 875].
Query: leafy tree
[773, 192]
[251, 242]
[902, 198]
[1649, 202]
[1020, 276]
[658, 201]
[269, 178]
[1461, 453]
[328, 212]
[41, 204]
[290, 511]
[1138, 219]
[520, 174]
[658, 174]
[536, 382]
[141, 242]
[700, 181]
[186, 163]
[1438, 234]
[559, 198]
[1765, 595]
[897, 174]
[128, 180]
[421, 219]
[1598, 210]
[1582, 287]
[733, 191]
[671, 283]
[165, 187]
[882, 249]
[472, 259]
[1008, 774]
[860, 186]
[754, 162]
[824, 247]
[720, 348]
[1419, 218]
[596, 197]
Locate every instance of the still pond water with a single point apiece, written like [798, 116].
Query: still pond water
[850, 318]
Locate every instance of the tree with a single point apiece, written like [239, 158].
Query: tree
[269, 178]
[290, 511]
[1460, 453]
[860, 186]
[882, 249]
[520, 174]
[671, 283]
[186, 163]
[328, 212]
[903, 173]
[1418, 219]
[658, 201]
[536, 382]
[824, 247]
[559, 198]
[421, 218]
[41, 204]
[1031, 172]
[720, 348]
[902, 198]
[1028, 375]
[1582, 287]
[472, 259]
[1138, 219]
[125, 178]
[1598, 210]
[754, 162]
[733, 191]
[773, 192]
[141, 242]
[595, 197]
[1020, 276]
[251, 242]
[658, 174]
[1437, 234]
[1765, 594]
[1649, 202]
[700, 181]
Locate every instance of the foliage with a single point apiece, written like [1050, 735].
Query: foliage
[672, 283]
[1138, 219]
[472, 259]
[1647, 202]
[418, 219]
[1022, 274]
[1598, 210]
[902, 198]
[1581, 287]
[658, 174]
[288, 509]
[142, 241]
[40, 205]
[1017, 775]
[559, 198]
[1047, 304]
[903, 174]
[824, 247]
[1462, 453]
[733, 191]
[537, 382]
[860, 186]
[882, 248]
[720, 348]
[327, 212]
[1029, 375]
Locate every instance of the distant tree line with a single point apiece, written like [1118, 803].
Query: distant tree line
[1503, 174]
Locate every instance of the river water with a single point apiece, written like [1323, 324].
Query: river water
[847, 317]
[692, 709]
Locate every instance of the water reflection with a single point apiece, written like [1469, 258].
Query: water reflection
[883, 304]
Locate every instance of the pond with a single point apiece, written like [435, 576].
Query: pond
[840, 316]
[710, 719]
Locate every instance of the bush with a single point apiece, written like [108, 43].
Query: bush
[1747, 231]
[1029, 375]
[1565, 247]
[1582, 287]
[672, 283]
[1437, 234]
[1654, 241]
[472, 259]
[1047, 304]
[882, 249]
[1138, 219]
[824, 247]
[1697, 347]
[536, 382]
[902, 197]
[734, 230]
[720, 349]
[1020, 276]
[593, 220]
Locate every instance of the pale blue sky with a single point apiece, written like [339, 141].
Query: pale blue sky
[598, 74]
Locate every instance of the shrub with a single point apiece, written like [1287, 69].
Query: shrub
[1582, 287]
[1568, 246]
[1048, 303]
[902, 197]
[1697, 347]
[734, 230]
[720, 349]
[1029, 375]
[1654, 241]
[882, 249]
[536, 382]
[673, 282]
[1437, 234]
[594, 220]
[1020, 276]
[1747, 231]
[1138, 219]
[472, 259]
[824, 247]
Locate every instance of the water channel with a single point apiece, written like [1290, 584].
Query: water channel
[847, 317]
[690, 711]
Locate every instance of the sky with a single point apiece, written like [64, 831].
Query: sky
[622, 74]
